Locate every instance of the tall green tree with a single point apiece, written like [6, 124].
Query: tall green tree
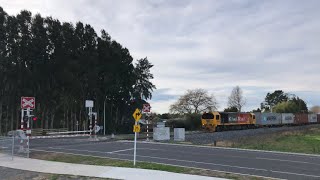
[62, 65]
[273, 99]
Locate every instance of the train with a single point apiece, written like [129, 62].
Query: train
[220, 121]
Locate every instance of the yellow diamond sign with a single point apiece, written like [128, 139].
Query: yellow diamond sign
[136, 128]
[137, 114]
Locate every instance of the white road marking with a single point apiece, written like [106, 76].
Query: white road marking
[239, 167]
[110, 152]
[234, 149]
[153, 162]
[120, 150]
[77, 150]
[302, 162]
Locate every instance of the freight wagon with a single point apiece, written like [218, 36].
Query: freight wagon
[216, 121]
[268, 119]
[287, 118]
[312, 118]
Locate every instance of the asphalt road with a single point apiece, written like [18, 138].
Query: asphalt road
[276, 165]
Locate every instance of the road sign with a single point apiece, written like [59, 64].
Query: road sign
[89, 103]
[146, 108]
[28, 102]
[137, 114]
[136, 128]
[97, 128]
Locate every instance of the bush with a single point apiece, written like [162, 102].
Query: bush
[190, 122]
[193, 122]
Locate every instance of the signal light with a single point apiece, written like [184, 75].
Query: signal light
[34, 118]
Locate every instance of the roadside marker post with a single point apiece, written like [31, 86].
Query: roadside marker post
[136, 128]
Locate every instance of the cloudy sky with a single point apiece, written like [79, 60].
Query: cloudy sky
[259, 45]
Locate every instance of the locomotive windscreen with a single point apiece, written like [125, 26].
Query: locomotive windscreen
[207, 116]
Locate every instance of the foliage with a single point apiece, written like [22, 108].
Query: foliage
[62, 65]
[188, 121]
[236, 99]
[194, 101]
[231, 109]
[273, 99]
[256, 110]
[294, 105]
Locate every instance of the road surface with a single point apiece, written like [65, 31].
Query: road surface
[259, 163]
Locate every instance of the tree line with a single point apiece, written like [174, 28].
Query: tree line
[197, 101]
[63, 64]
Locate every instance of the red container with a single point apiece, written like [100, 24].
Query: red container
[318, 117]
[244, 118]
[300, 118]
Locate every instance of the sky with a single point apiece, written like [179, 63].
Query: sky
[216, 45]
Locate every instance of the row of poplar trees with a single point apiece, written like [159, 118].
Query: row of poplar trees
[62, 65]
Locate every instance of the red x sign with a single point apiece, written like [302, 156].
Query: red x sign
[146, 108]
[28, 102]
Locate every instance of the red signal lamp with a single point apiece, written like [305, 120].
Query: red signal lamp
[34, 118]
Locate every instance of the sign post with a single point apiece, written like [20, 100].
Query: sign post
[146, 110]
[27, 106]
[89, 104]
[136, 128]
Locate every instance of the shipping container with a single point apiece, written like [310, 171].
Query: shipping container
[244, 118]
[312, 118]
[287, 118]
[300, 118]
[318, 117]
[268, 119]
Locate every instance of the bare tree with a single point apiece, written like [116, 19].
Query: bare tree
[194, 101]
[236, 99]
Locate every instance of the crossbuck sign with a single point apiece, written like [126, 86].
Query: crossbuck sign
[28, 102]
[146, 108]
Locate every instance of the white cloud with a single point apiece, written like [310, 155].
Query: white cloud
[259, 45]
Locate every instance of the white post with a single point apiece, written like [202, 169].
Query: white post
[104, 117]
[147, 130]
[22, 113]
[135, 147]
[90, 119]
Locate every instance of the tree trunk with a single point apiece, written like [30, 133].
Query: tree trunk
[1, 120]
[43, 117]
[12, 118]
[80, 119]
[7, 120]
[47, 120]
[52, 120]
[64, 118]
[18, 118]
[67, 119]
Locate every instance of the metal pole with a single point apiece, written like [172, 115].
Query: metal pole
[104, 117]
[22, 112]
[13, 145]
[135, 147]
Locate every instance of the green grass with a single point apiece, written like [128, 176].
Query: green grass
[79, 159]
[296, 141]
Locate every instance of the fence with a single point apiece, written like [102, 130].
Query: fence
[6, 147]
[15, 144]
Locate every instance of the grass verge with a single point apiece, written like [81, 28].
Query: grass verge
[79, 159]
[305, 141]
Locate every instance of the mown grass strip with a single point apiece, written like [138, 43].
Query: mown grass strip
[79, 159]
[295, 141]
